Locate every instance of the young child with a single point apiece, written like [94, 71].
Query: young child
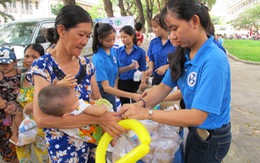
[68, 80]
[9, 89]
[139, 35]
[61, 100]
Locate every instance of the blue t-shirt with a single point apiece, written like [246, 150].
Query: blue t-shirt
[125, 59]
[219, 45]
[158, 53]
[106, 66]
[205, 84]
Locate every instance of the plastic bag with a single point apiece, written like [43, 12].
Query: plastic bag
[137, 76]
[26, 124]
[27, 137]
[27, 132]
[105, 102]
[165, 142]
[122, 147]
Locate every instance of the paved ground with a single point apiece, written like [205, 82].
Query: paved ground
[245, 113]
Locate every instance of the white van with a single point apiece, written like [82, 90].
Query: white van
[18, 34]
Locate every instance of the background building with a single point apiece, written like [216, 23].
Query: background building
[24, 9]
[235, 7]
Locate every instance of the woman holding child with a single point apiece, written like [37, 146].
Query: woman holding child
[73, 28]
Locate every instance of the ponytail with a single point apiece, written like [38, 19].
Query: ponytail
[176, 62]
[95, 43]
[101, 31]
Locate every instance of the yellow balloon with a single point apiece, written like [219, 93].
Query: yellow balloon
[135, 154]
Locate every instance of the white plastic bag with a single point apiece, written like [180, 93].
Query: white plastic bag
[26, 124]
[27, 132]
[123, 146]
[137, 76]
[27, 137]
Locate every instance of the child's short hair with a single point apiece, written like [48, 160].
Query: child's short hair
[7, 55]
[51, 99]
[138, 26]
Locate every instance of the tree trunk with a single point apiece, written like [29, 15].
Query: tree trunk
[159, 5]
[140, 13]
[69, 2]
[149, 10]
[122, 8]
[164, 2]
[108, 8]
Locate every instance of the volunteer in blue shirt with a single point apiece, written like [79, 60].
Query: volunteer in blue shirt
[201, 70]
[158, 51]
[128, 54]
[107, 65]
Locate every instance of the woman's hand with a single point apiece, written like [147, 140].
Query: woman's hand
[161, 70]
[3, 103]
[149, 72]
[11, 108]
[142, 86]
[134, 65]
[108, 122]
[148, 91]
[134, 111]
[135, 96]
[28, 108]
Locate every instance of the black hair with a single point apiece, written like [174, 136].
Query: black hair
[70, 16]
[50, 35]
[37, 47]
[138, 26]
[101, 31]
[185, 10]
[157, 19]
[211, 30]
[130, 31]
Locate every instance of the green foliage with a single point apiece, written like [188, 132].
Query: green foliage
[130, 7]
[248, 19]
[215, 19]
[96, 13]
[208, 3]
[244, 49]
[56, 8]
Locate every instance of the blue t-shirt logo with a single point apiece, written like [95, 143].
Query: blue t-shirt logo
[192, 79]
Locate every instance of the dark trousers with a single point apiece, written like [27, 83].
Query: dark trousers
[212, 150]
[156, 80]
[128, 86]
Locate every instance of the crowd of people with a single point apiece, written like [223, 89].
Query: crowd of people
[60, 84]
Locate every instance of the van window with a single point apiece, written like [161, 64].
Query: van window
[17, 33]
[43, 32]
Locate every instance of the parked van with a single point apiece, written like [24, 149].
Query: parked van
[18, 34]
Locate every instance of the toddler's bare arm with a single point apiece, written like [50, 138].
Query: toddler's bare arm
[95, 110]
